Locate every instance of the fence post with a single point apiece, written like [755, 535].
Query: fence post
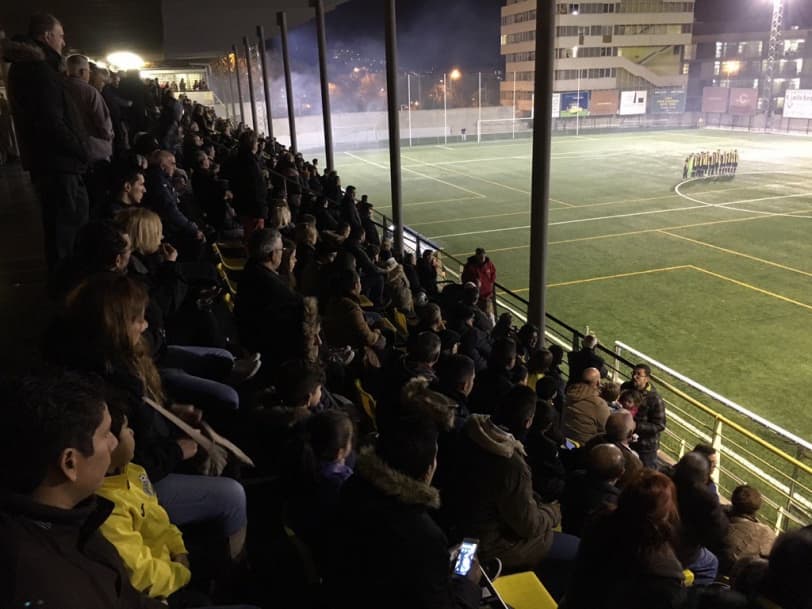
[779, 521]
[793, 481]
[682, 446]
[616, 364]
[716, 442]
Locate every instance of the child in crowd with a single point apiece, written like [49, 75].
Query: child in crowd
[630, 399]
[150, 546]
[611, 392]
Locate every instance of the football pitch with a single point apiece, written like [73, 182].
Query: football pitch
[712, 276]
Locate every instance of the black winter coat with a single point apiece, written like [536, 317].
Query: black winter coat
[162, 198]
[388, 551]
[52, 557]
[584, 497]
[248, 185]
[49, 127]
[650, 419]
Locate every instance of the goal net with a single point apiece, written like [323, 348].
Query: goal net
[503, 128]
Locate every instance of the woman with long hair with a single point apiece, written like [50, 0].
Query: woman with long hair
[626, 558]
[101, 331]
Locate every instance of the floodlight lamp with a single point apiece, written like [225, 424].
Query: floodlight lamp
[455, 74]
[125, 60]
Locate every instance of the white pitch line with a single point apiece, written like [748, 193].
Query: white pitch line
[447, 148]
[374, 164]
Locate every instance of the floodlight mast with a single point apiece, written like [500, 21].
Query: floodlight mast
[776, 29]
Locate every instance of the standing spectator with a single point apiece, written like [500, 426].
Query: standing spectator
[53, 143]
[650, 417]
[586, 358]
[117, 106]
[96, 119]
[480, 270]
[427, 272]
[367, 222]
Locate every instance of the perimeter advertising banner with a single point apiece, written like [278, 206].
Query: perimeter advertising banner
[667, 101]
[575, 104]
[604, 103]
[556, 104]
[743, 101]
[715, 99]
[798, 103]
[633, 102]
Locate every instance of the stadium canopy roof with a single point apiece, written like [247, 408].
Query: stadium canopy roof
[158, 29]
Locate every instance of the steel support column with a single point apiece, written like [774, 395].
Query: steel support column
[239, 84]
[266, 85]
[540, 180]
[393, 111]
[282, 21]
[325, 84]
[251, 96]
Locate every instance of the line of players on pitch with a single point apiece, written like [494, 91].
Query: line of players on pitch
[710, 163]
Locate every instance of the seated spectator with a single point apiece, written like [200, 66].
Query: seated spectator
[592, 491]
[409, 268]
[100, 332]
[650, 417]
[620, 428]
[150, 546]
[538, 365]
[162, 198]
[746, 536]
[585, 413]
[367, 222]
[543, 454]
[703, 525]
[211, 194]
[713, 460]
[476, 344]
[427, 272]
[420, 360]
[626, 558]
[494, 383]
[385, 540]
[490, 496]
[344, 322]
[586, 358]
[271, 318]
[396, 287]
[786, 583]
[128, 189]
[456, 380]
[527, 340]
[56, 447]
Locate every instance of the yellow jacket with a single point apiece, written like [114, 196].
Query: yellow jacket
[140, 530]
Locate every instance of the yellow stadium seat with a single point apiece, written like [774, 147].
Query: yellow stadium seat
[689, 578]
[367, 402]
[524, 591]
[400, 323]
[230, 283]
[233, 257]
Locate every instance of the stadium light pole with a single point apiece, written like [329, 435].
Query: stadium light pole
[776, 27]
[321, 32]
[231, 88]
[393, 112]
[252, 98]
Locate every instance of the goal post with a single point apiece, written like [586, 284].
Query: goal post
[503, 128]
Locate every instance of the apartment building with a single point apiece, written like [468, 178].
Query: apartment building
[631, 45]
[739, 60]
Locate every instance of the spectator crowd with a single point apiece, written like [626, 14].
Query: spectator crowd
[237, 340]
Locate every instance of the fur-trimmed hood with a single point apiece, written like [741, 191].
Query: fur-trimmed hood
[19, 50]
[395, 484]
[417, 395]
[491, 438]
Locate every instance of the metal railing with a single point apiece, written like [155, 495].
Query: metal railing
[751, 449]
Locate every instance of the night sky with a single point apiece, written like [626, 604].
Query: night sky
[465, 33]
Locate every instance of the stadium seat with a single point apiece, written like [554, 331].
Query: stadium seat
[230, 283]
[524, 591]
[232, 256]
[367, 403]
[689, 578]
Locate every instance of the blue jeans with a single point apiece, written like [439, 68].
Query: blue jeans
[705, 567]
[195, 375]
[556, 568]
[190, 499]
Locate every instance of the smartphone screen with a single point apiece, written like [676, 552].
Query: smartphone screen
[466, 557]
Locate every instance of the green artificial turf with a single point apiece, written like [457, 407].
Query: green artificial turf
[734, 313]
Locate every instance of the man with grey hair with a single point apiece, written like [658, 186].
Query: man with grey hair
[92, 107]
[268, 313]
[51, 133]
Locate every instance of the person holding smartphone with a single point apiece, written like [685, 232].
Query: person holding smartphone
[387, 551]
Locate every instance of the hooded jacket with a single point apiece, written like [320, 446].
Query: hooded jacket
[52, 557]
[388, 551]
[585, 413]
[49, 127]
[490, 497]
[482, 272]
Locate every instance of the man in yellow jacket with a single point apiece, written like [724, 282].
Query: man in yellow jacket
[150, 546]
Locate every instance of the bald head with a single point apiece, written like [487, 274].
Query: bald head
[592, 376]
[605, 461]
[166, 161]
[79, 67]
[620, 426]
